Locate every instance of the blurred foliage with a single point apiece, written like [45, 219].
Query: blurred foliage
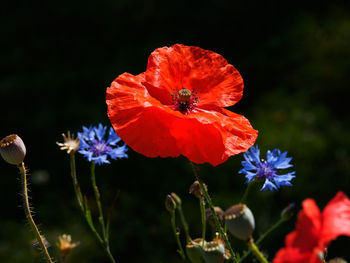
[58, 57]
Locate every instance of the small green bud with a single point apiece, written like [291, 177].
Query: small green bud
[170, 203]
[240, 221]
[288, 212]
[12, 149]
[176, 198]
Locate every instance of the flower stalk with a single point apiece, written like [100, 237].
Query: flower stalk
[256, 251]
[216, 219]
[27, 211]
[177, 235]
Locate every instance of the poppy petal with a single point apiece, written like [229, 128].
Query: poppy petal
[203, 71]
[202, 136]
[293, 255]
[306, 235]
[336, 219]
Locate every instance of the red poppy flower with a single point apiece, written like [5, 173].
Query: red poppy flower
[176, 107]
[315, 230]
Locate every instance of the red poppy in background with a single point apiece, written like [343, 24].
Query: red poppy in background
[315, 230]
[176, 107]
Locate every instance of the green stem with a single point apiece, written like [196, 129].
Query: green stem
[184, 223]
[246, 193]
[110, 256]
[27, 211]
[256, 251]
[216, 219]
[75, 182]
[202, 206]
[262, 237]
[98, 201]
[177, 234]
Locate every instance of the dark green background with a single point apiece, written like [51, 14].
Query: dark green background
[58, 57]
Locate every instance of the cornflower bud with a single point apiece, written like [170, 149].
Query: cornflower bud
[196, 190]
[170, 203]
[240, 221]
[12, 149]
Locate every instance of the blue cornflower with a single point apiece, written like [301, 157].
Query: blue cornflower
[95, 148]
[260, 169]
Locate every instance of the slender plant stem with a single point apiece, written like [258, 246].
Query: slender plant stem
[202, 206]
[75, 182]
[262, 237]
[246, 193]
[27, 211]
[184, 223]
[177, 234]
[216, 219]
[256, 251]
[98, 201]
[110, 256]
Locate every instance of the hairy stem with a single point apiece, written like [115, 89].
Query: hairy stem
[27, 211]
[177, 235]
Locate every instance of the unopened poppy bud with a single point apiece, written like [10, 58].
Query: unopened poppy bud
[196, 190]
[215, 251]
[170, 203]
[176, 198]
[337, 260]
[240, 221]
[12, 149]
[194, 250]
[288, 212]
[209, 215]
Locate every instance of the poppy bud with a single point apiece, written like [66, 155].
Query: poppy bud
[215, 251]
[196, 190]
[288, 212]
[176, 198]
[209, 215]
[170, 203]
[194, 250]
[240, 221]
[12, 149]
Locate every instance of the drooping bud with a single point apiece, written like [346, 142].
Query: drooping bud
[288, 212]
[240, 221]
[170, 203]
[215, 251]
[209, 215]
[12, 149]
[194, 250]
[176, 198]
[196, 190]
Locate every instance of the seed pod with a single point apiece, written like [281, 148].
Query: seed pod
[215, 251]
[194, 250]
[12, 149]
[209, 215]
[240, 221]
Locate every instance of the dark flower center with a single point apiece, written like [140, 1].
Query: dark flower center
[265, 170]
[100, 148]
[184, 100]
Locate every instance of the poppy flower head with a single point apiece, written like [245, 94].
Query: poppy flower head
[315, 230]
[176, 107]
